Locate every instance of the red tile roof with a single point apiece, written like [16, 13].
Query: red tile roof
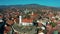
[1, 16]
[58, 22]
[34, 15]
[7, 29]
[10, 22]
[26, 20]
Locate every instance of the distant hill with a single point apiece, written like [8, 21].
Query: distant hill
[32, 6]
[27, 5]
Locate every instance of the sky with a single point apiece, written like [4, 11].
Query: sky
[53, 3]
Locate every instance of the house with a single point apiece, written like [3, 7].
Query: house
[25, 21]
[34, 15]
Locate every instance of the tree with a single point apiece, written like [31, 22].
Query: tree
[53, 24]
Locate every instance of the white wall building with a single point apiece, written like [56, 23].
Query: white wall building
[24, 23]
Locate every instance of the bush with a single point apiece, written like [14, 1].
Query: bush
[53, 24]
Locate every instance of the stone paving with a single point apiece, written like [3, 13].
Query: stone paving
[24, 29]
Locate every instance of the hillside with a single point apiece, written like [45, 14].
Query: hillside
[28, 6]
